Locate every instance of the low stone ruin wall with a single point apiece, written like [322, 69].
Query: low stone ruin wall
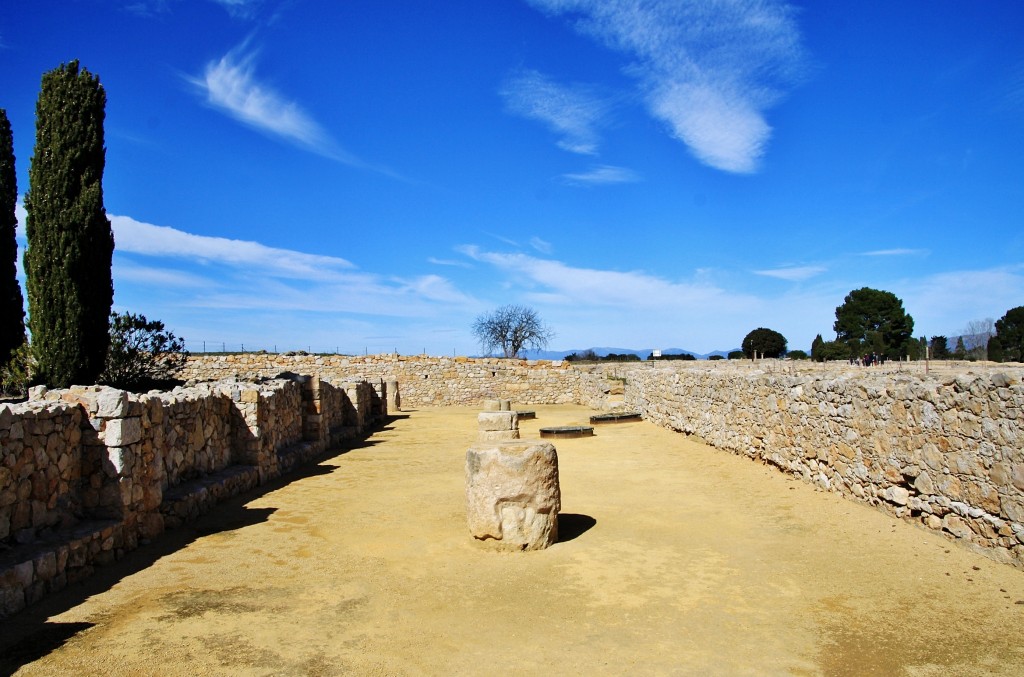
[424, 381]
[89, 472]
[947, 452]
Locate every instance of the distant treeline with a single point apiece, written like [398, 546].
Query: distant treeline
[591, 356]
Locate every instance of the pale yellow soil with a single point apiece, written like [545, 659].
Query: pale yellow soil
[675, 559]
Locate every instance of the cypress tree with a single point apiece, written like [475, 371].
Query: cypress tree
[817, 346]
[70, 243]
[12, 304]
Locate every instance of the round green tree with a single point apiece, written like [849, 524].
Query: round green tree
[70, 243]
[764, 342]
[1010, 332]
[12, 304]
[871, 320]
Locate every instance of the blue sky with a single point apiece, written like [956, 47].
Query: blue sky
[372, 175]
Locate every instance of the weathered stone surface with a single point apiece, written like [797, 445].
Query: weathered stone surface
[111, 403]
[90, 453]
[513, 495]
[394, 399]
[897, 495]
[956, 526]
[497, 435]
[120, 432]
[941, 450]
[497, 420]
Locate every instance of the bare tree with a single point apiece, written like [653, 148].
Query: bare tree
[511, 328]
[976, 336]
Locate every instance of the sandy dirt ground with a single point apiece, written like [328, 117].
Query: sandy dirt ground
[674, 559]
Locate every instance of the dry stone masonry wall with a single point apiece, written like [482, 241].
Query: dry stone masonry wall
[946, 452]
[89, 472]
[424, 381]
[944, 449]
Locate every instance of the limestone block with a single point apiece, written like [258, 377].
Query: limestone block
[497, 435]
[497, 420]
[394, 400]
[492, 405]
[122, 458]
[897, 495]
[121, 432]
[111, 403]
[513, 495]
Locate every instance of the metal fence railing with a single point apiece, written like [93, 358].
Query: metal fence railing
[208, 346]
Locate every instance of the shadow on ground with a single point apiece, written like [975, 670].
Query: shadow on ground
[28, 635]
[571, 526]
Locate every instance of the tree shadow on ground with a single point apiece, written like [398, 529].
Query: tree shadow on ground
[571, 526]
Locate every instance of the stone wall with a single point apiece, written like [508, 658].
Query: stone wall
[89, 472]
[424, 381]
[41, 484]
[946, 451]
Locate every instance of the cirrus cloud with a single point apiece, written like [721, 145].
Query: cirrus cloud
[230, 86]
[572, 112]
[709, 70]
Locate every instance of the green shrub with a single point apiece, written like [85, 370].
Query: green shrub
[142, 355]
[16, 374]
[834, 350]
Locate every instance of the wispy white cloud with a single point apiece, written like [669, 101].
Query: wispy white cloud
[556, 281]
[709, 69]
[242, 9]
[245, 276]
[448, 262]
[1013, 94]
[432, 288]
[136, 237]
[124, 270]
[602, 175]
[147, 7]
[543, 246]
[944, 302]
[636, 309]
[572, 112]
[362, 293]
[793, 273]
[230, 85]
[504, 238]
[897, 252]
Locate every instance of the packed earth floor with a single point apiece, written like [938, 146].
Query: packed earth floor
[674, 558]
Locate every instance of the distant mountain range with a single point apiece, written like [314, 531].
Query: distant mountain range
[642, 353]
